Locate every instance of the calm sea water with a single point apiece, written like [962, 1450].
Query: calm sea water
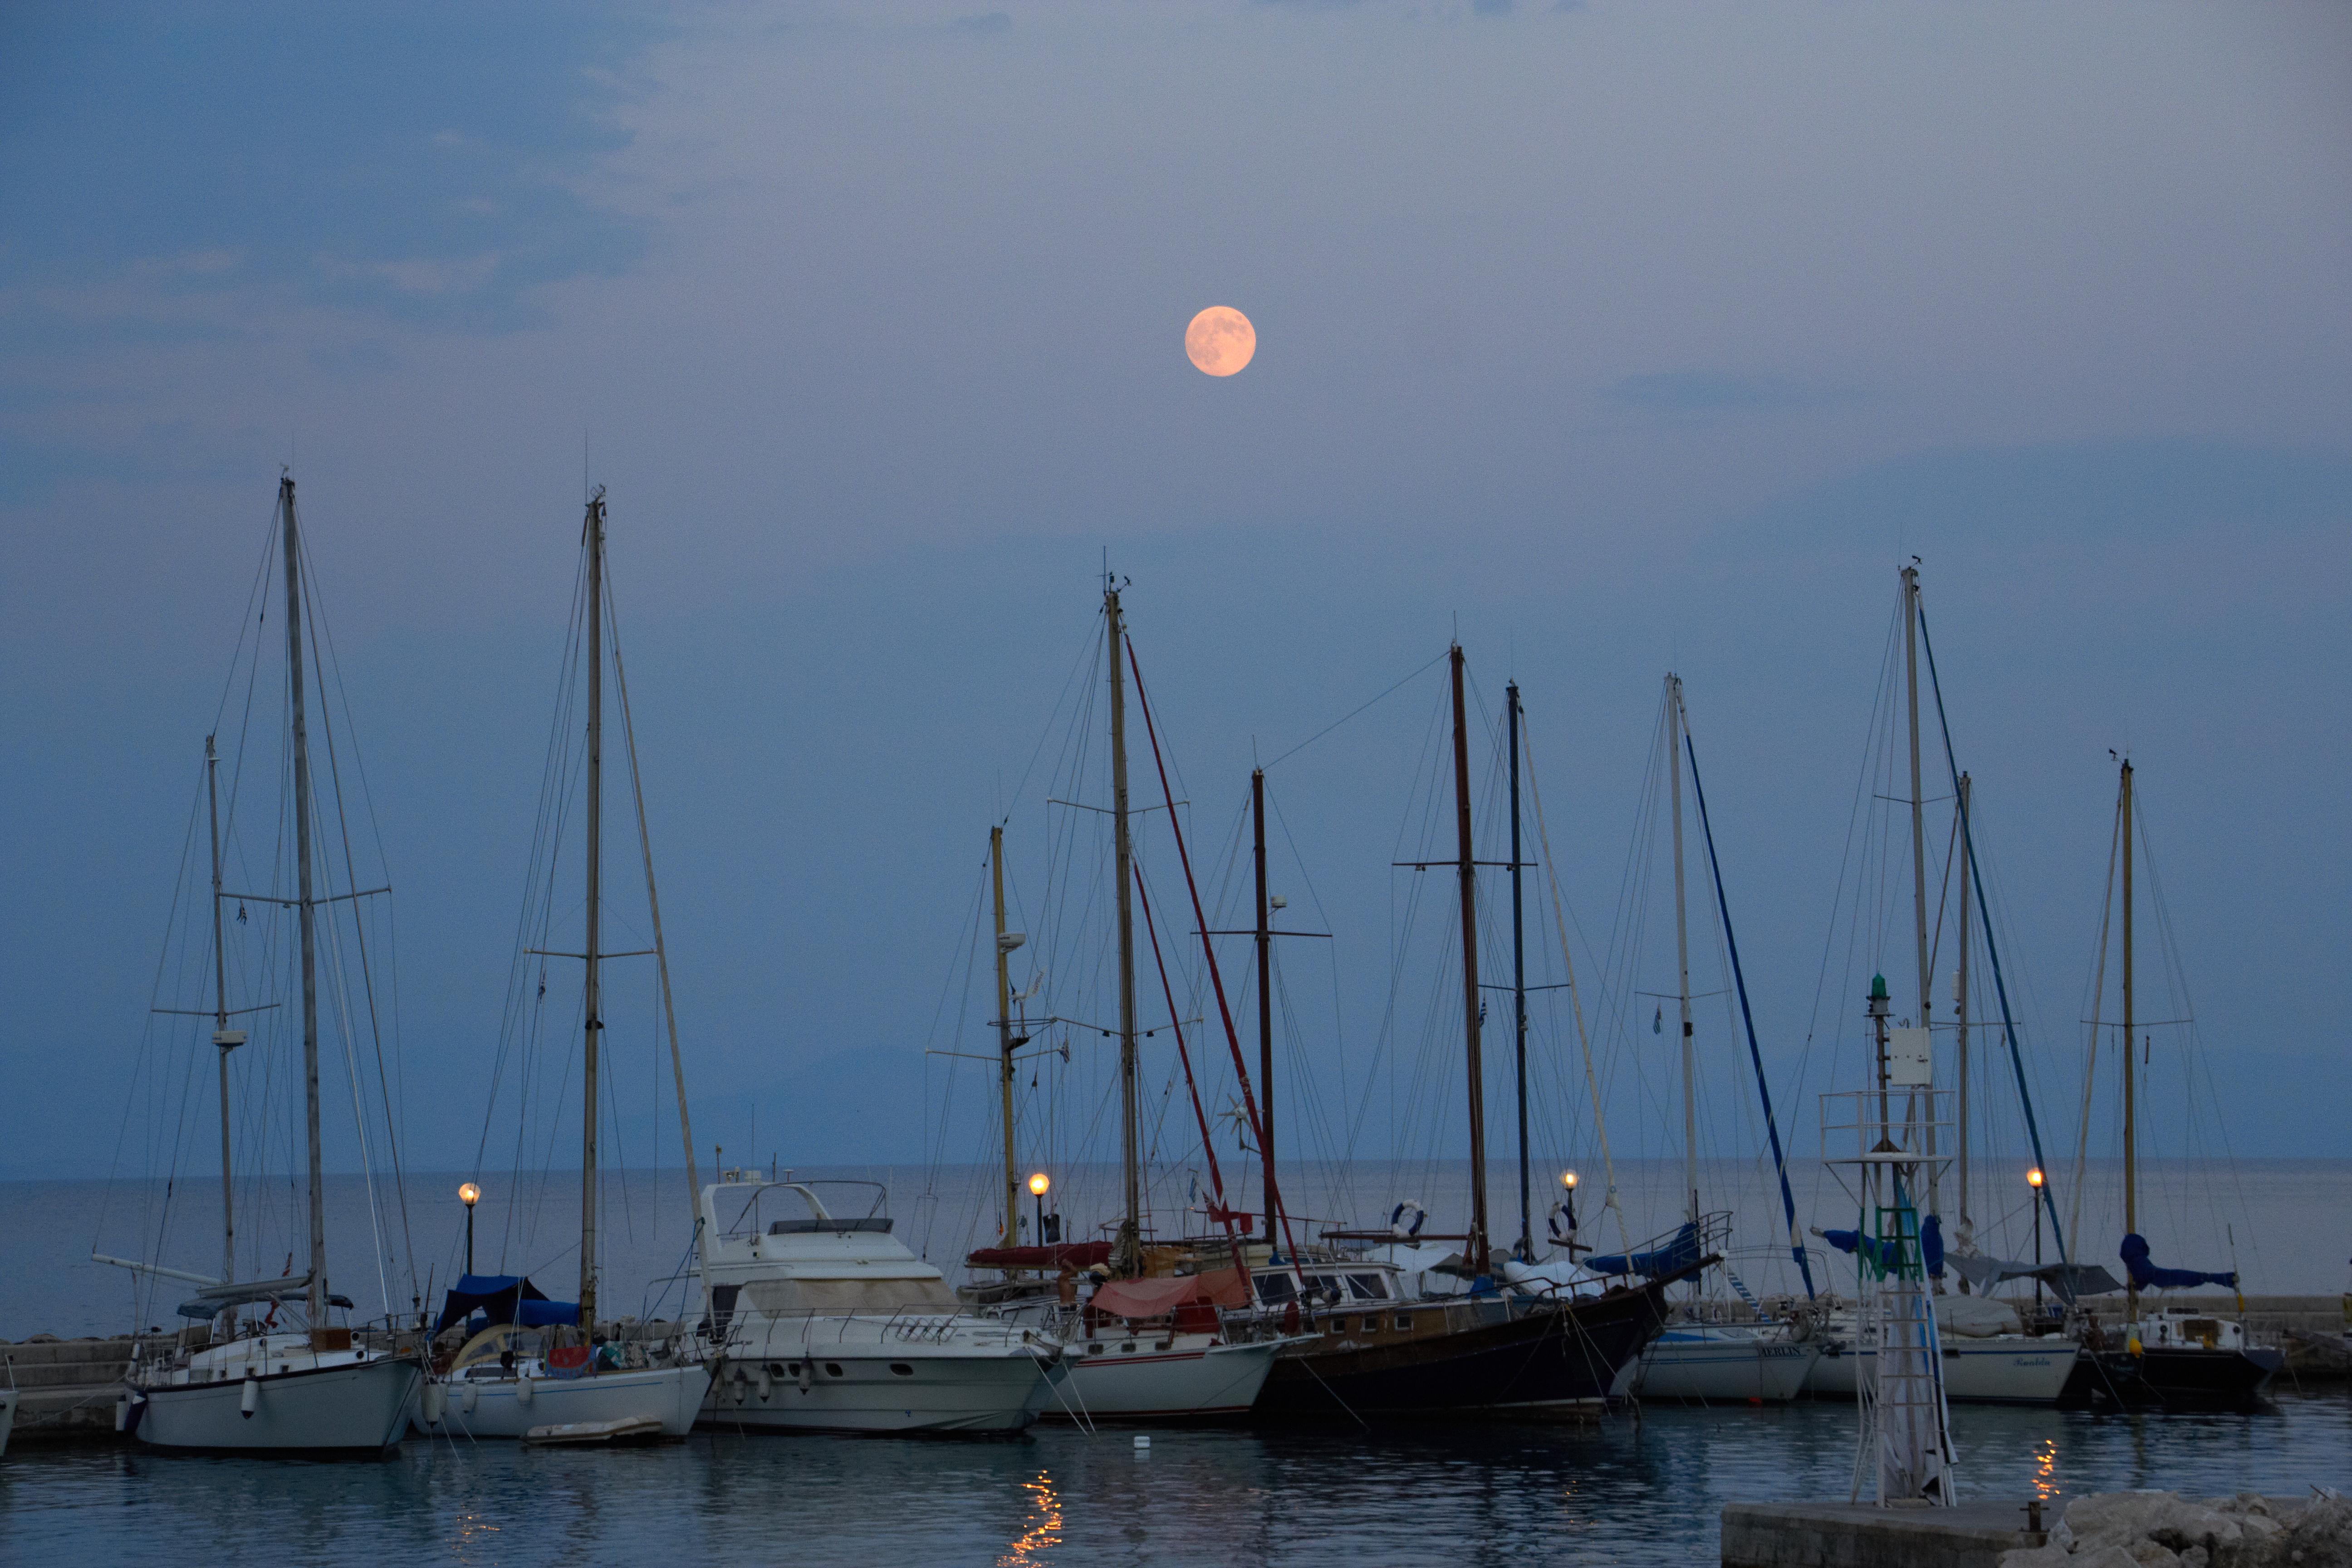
[1626, 1489]
[1617, 1491]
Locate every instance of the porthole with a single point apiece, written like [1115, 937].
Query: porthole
[832, 1369]
[1404, 1323]
[901, 1369]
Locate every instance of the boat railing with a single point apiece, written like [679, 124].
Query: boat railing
[904, 1325]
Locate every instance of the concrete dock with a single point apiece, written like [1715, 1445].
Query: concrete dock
[66, 1388]
[1860, 1535]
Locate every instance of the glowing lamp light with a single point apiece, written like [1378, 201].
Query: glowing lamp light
[1568, 1180]
[2033, 1178]
[468, 1193]
[1039, 1182]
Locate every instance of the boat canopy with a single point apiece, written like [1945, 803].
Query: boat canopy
[503, 1299]
[215, 1299]
[1158, 1298]
[2149, 1277]
[1677, 1254]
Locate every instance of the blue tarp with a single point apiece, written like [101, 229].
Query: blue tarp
[1677, 1254]
[503, 1299]
[1881, 1254]
[2149, 1277]
[1931, 1245]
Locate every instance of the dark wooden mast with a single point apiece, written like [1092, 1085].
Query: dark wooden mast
[1264, 995]
[1474, 1249]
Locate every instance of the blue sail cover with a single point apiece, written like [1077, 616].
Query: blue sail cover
[1931, 1245]
[2147, 1276]
[1879, 1255]
[1677, 1254]
[503, 1299]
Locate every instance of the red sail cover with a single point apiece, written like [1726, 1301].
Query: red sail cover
[1158, 1298]
[1070, 1254]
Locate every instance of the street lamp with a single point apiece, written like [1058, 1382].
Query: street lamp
[2033, 1179]
[1037, 1185]
[1567, 1203]
[469, 1195]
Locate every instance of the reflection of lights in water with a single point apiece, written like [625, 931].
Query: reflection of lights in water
[1044, 1532]
[2045, 1470]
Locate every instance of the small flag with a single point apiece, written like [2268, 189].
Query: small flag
[1658, 1022]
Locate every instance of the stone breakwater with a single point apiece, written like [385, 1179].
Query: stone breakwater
[2165, 1529]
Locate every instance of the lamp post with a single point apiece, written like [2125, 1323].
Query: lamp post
[1567, 1203]
[2033, 1179]
[1037, 1185]
[469, 1195]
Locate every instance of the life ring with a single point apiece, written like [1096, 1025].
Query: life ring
[1558, 1212]
[1398, 1228]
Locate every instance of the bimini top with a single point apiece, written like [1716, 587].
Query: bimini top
[503, 1299]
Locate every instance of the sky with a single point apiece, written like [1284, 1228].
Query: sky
[1610, 339]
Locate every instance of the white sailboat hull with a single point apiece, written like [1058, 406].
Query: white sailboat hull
[354, 1408]
[1722, 1365]
[1194, 1378]
[2005, 1369]
[513, 1406]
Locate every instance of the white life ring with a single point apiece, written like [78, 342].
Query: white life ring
[1397, 1226]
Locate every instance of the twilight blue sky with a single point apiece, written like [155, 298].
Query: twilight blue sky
[1618, 337]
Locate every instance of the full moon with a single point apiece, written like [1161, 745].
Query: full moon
[1220, 340]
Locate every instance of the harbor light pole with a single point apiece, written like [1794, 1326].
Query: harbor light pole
[469, 1195]
[1037, 1185]
[2033, 1179]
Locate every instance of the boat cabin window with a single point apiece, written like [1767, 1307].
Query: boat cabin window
[1367, 1287]
[1274, 1289]
[875, 1225]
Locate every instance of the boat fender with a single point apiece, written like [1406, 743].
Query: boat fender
[469, 1399]
[767, 1385]
[249, 1399]
[523, 1390]
[1397, 1226]
[436, 1404]
[808, 1374]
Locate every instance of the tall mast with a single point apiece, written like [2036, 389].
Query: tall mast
[1473, 1250]
[1004, 1039]
[1526, 1248]
[593, 1026]
[1130, 1234]
[1918, 838]
[1265, 992]
[2131, 1148]
[1682, 955]
[307, 913]
[221, 1036]
[1960, 1005]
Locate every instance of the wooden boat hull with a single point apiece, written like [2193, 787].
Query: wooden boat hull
[1497, 1357]
[2177, 1378]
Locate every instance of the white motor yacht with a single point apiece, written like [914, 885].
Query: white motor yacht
[818, 1322]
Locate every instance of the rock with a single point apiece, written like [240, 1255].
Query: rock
[2320, 1537]
[2052, 1556]
[2150, 1554]
[2103, 1557]
[2195, 1557]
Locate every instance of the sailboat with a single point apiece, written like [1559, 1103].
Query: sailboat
[258, 1386]
[1149, 1344]
[2002, 1367]
[1695, 1359]
[2172, 1357]
[507, 1381]
[1535, 1348]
